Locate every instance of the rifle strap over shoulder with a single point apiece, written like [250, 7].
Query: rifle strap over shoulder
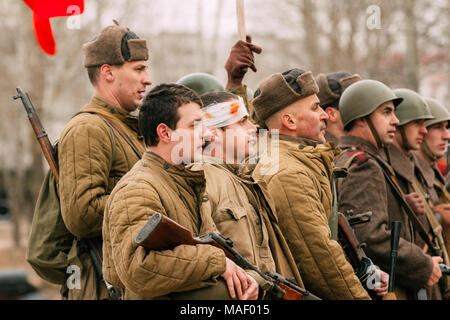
[118, 129]
[398, 193]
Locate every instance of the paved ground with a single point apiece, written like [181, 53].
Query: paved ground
[12, 258]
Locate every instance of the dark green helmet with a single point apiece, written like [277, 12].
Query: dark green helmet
[439, 112]
[201, 83]
[362, 98]
[413, 107]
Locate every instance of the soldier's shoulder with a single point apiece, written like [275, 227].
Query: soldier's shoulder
[83, 121]
[354, 155]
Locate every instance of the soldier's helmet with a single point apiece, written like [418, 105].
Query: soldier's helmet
[201, 83]
[413, 107]
[439, 112]
[362, 98]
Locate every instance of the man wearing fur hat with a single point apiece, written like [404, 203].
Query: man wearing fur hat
[331, 87]
[101, 143]
[298, 177]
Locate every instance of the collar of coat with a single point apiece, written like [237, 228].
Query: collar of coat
[402, 164]
[114, 111]
[239, 170]
[181, 176]
[313, 150]
[425, 170]
[348, 141]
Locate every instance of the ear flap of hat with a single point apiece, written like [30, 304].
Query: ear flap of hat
[138, 49]
[347, 81]
[326, 95]
[307, 84]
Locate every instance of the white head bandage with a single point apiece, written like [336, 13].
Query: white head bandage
[223, 114]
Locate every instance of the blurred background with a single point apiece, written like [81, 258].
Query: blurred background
[404, 43]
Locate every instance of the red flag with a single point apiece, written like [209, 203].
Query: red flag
[43, 10]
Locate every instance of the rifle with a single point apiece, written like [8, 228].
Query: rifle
[353, 218]
[364, 267]
[395, 237]
[444, 269]
[51, 155]
[162, 233]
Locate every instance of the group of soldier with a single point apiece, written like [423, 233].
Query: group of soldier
[280, 207]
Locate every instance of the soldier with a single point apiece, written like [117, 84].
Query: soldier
[331, 86]
[93, 155]
[367, 111]
[411, 113]
[436, 197]
[241, 207]
[298, 178]
[160, 182]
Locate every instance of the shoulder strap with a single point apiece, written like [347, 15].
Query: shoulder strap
[119, 130]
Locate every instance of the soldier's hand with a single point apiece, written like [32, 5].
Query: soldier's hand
[444, 211]
[382, 290]
[436, 274]
[415, 202]
[252, 289]
[241, 58]
[236, 279]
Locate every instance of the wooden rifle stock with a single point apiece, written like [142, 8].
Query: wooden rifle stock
[42, 137]
[162, 233]
[354, 251]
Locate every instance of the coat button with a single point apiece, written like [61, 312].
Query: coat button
[166, 166]
[301, 147]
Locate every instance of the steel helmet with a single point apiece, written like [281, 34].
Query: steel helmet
[363, 97]
[201, 83]
[438, 110]
[413, 107]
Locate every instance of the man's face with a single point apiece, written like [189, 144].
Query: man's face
[310, 119]
[414, 132]
[385, 122]
[189, 136]
[238, 140]
[130, 82]
[437, 137]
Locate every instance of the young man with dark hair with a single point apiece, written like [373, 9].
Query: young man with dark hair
[160, 182]
[92, 154]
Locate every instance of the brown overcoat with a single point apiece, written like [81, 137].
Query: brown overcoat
[366, 189]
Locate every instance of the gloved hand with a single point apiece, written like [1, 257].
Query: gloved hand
[241, 58]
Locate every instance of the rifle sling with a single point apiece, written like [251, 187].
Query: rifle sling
[398, 193]
[120, 131]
